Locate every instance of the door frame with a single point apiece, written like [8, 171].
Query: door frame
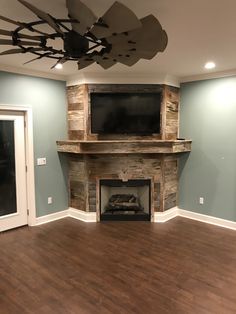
[29, 157]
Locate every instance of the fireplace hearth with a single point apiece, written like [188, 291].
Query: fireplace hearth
[129, 200]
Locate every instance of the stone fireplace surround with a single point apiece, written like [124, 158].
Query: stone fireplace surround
[93, 158]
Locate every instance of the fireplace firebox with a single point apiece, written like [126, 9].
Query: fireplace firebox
[125, 201]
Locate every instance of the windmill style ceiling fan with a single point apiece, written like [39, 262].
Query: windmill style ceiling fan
[117, 36]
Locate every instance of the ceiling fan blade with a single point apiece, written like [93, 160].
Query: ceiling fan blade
[144, 42]
[80, 12]
[144, 50]
[42, 15]
[32, 60]
[6, 42]
[5, 32]
[6, 19]
[104, 61]
[28, 43]
[11, 51]
[119, 19]
[149, 50]
[38, 38]
[3, 18]
[39, 57]
[150, 29]
[144, 54]
[61, 61]
[19, 43]
[163, 41]
[20, 50]
[85, 62]
[9, 33]
[128, 60]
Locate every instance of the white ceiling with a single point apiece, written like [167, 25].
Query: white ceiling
[198, 31]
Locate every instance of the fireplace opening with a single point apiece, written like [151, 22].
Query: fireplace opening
[129, 200]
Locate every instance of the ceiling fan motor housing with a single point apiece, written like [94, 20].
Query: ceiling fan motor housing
[75, 45]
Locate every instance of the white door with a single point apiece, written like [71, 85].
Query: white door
[13, 199]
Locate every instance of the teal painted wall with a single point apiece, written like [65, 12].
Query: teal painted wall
[48, 101]
[208, 117]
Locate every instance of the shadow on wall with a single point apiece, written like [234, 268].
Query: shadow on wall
[183, 160]
[198, 182]
[64, 167]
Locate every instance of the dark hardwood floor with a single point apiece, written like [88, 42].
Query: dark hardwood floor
[69, 266]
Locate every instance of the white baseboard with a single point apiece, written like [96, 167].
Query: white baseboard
[70, 212]
[208, 219]
[81, 215]
[178, 212]
[51, 217]
[159, 217]
[166, 215]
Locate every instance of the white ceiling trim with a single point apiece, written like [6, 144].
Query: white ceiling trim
[122, 78]
[208, 76]
[24, 71]
[117, 78]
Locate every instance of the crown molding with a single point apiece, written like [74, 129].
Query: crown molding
[208, 76]
[122, 78]
[118, 78]
[25, 71]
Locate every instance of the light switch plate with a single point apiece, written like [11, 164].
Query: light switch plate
[201, 200]
[41, 161]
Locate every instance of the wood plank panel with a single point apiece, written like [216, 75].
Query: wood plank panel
[76, 118]
[79, 113]
[87, 171]
[124, 147]
[171, 113]
[121, 156]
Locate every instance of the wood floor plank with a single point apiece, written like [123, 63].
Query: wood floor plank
[68, 266]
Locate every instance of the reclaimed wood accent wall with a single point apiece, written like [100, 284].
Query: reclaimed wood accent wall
[170, 113]
[77, 103]
[79, 114]
[124, 147]
[170, 181]
[86, 171]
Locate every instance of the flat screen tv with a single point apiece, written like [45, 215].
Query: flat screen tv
[125, 113]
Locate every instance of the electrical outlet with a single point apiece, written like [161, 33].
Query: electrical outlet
[41, 161]
[49, 200]
[201, 200]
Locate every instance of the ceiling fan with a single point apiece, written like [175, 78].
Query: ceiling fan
[117, 36]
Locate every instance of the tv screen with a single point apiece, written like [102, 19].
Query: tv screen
[125, 113]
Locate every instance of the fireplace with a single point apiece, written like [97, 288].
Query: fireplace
[125, 200]
[100, 163]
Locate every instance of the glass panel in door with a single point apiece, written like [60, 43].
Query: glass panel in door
[8, 203]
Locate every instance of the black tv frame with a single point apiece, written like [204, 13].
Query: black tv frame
[107, 134]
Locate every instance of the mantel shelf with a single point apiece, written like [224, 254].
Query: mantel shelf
[124, 146]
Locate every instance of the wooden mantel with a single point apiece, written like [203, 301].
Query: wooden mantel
[124, 146]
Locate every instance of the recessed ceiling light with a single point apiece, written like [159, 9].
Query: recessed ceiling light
[210, 65]
[59, 66]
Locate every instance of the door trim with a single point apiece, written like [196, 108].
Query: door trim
[29, 154]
